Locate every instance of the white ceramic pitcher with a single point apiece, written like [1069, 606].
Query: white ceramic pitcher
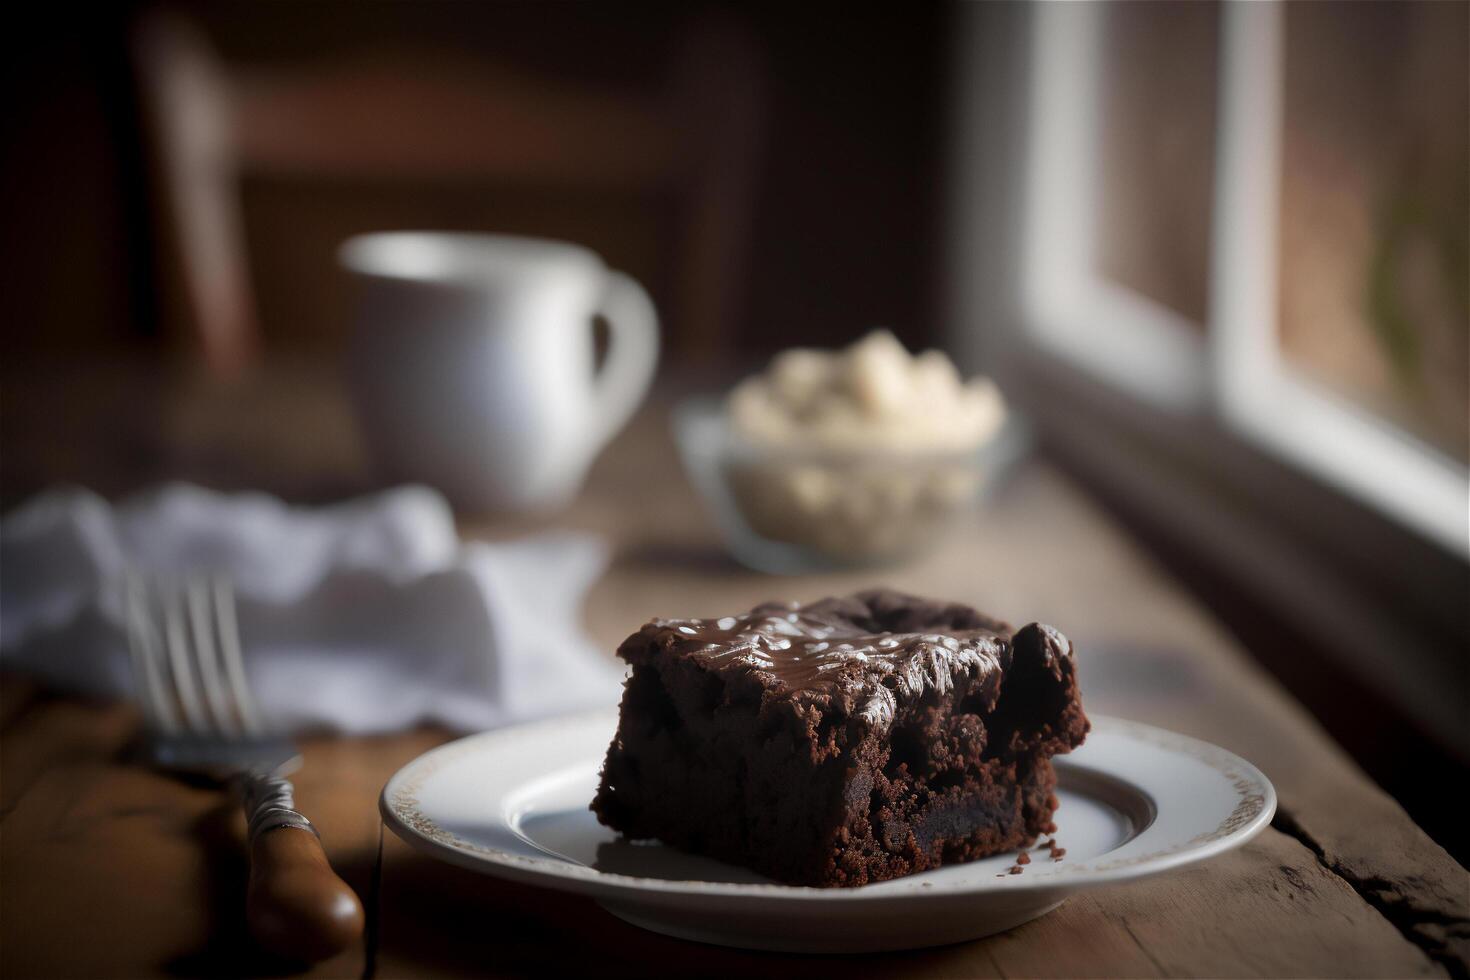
[471, 362]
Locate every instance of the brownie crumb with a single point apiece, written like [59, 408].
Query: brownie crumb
[1023, 858]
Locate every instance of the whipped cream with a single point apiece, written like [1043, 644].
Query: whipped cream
[871, 396]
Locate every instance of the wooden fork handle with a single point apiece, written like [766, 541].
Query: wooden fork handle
[296, 906]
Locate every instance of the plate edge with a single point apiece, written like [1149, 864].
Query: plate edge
[1247, 821]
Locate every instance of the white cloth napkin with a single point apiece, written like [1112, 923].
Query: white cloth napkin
[366, 616]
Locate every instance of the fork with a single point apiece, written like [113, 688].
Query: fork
[201, 720]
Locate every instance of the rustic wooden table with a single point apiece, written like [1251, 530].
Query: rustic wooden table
[107, 869]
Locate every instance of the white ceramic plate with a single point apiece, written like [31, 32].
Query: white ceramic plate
[1135, 801]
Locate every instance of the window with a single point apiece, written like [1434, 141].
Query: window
[1257, 214]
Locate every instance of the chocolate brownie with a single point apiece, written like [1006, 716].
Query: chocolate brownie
[843, 742]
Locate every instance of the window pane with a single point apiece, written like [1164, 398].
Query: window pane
[1375, 249]
[1156, 148]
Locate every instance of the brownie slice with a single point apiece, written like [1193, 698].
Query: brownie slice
[843, 742]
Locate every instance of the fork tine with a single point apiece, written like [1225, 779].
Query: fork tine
[202, 628]
[229, 644]
[143, 644]
[180, 658]
[136, 651]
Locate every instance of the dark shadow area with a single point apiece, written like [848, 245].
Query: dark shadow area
[650, 859]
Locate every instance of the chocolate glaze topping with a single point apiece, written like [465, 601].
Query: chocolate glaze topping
[847, 645]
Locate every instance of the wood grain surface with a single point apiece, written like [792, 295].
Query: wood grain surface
[107, 869]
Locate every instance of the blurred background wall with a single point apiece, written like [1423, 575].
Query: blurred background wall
[840, 158]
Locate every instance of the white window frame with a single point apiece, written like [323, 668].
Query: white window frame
[1134, 343]
[1083, 318]
[1257, 393]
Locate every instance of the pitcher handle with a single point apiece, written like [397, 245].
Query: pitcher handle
[631, 357]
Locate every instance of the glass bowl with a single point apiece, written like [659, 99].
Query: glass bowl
[792, 511]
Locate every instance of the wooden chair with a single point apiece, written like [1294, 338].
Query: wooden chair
[424, 115]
